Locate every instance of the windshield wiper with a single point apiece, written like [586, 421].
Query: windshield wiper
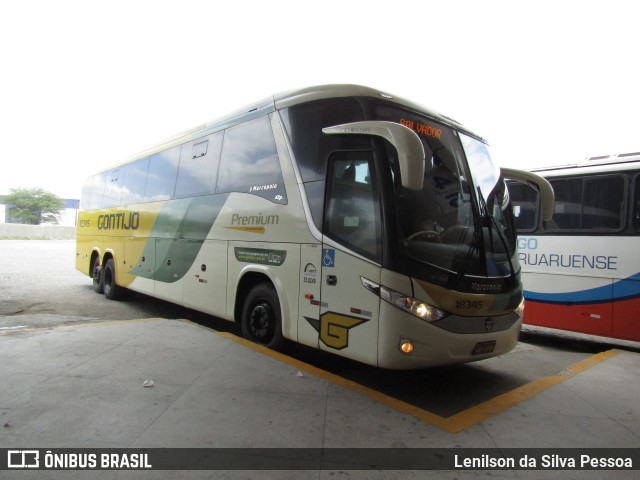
[476, 244]
[492, 225]
[482, 220]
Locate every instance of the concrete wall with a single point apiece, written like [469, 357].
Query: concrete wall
[49, 232]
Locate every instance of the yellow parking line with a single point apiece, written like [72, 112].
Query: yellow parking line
[455, 423]
[471, 416]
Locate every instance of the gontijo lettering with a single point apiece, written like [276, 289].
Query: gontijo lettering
[119, 221]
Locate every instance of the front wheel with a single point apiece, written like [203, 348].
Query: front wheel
[261, 318]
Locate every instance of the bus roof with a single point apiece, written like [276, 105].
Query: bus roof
[287, 99]
[602, 163]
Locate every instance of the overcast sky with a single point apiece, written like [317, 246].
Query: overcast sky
[85, 84]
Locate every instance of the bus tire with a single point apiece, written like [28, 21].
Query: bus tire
[112, 290]
[261, 318]
[96, 276]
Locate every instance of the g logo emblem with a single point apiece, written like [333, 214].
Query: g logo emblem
[334, 328]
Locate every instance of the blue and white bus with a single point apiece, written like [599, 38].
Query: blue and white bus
[581, 269]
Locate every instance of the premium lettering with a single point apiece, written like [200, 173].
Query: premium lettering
[259, 219]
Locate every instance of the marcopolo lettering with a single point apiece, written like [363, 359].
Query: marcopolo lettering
[260, 188]
[259, 219]
[119, 221]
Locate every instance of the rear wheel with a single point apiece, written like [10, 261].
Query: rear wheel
[96, 275]
[261, 319]
[111, 289]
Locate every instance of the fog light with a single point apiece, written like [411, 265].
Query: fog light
[406, 346]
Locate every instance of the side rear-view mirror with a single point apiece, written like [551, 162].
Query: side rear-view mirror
[547, 197]
[406, 141]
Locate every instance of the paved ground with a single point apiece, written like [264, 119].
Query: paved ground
[40, 285]
[74, 377]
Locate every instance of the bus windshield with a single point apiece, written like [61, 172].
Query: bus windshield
[461, 220]
[458, 225]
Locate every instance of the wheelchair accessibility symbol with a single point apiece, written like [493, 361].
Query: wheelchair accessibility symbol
[328, 257]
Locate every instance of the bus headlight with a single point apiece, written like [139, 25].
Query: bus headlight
[520, 310]
[422, 310]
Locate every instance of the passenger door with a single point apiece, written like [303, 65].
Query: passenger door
[351, 251]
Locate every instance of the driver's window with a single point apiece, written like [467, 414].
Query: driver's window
[352, 209]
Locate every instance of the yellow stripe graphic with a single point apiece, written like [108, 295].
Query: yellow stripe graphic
[248, 229]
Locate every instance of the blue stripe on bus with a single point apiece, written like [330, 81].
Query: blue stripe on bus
[625, 289]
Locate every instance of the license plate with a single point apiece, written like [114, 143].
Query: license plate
[484, 347]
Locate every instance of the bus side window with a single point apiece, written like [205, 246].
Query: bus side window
[525, 205]
[589, 203]
[568, 204]
[92, 191]
[636, 204]
[603, 203]
[135, 180]
[198, 168]
[113, 188]
[249, 162]
[163, 169]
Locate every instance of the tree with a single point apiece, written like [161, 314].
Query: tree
[34, 205]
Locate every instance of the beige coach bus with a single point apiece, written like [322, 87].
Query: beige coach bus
[339, 217]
